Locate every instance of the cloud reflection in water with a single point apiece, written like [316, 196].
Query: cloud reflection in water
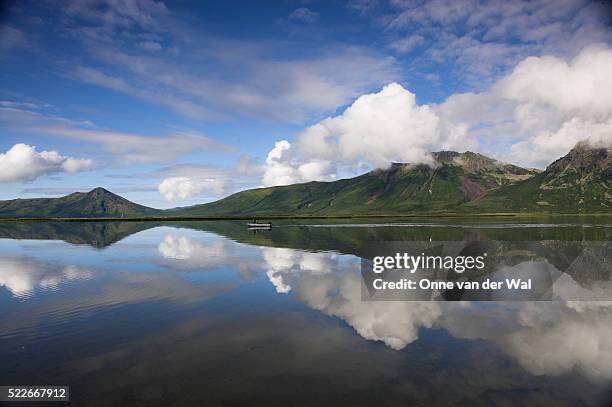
[546, 338]
[22, 275]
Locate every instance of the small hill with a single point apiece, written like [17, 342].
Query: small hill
[577, 182]
[401, 188]
[97, 203]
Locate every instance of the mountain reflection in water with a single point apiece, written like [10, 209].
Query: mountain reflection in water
[186, 313]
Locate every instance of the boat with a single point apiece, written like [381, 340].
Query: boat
[259, 225]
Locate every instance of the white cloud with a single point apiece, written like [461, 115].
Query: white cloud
[284, 89]
[408, 44]
[479, 41]
[377, 129]
[23, 163]
[542, 108]
[184, 181]
[119, 14]
[176, 188]
[530, 117]
[154, 56]
[283, 169]
[125, 148]
[154, 94]
[137, 148]
[77, 164]
[580, 87]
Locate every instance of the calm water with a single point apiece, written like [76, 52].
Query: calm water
[207, 313]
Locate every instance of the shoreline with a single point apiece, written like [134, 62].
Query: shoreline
[288, 217]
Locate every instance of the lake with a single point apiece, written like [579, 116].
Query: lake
[209, 313]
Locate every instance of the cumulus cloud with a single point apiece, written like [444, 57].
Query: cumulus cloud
[542, 108]
[178, 187]
[184, 181]
[23, 163]
[377, 129]
[284, 168]
[530, 117]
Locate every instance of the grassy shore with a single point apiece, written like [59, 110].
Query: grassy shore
[281, 217]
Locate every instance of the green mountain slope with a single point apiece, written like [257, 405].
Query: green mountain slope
[581, 181]
[97, 203]
[459, 182]
[402, 188]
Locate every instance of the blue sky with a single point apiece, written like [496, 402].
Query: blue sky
[180, 103]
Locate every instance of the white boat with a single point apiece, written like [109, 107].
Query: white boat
[257, 225]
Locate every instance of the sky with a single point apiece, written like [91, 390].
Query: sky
[178, 103]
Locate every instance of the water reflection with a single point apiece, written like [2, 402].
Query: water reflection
[210, 306]
[22, 275]
[546, 338]
[177, 247]
[283, 263]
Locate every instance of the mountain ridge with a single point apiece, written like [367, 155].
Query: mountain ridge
[465, 182]
[579, 181]
[97, 203]
[401, 188]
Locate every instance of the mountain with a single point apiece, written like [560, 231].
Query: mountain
[577, 182]
[458, 182]
[402, 188]
[97, 203]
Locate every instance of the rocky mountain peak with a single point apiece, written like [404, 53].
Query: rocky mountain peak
[99, 191]
[475, 162]
[582, 158]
